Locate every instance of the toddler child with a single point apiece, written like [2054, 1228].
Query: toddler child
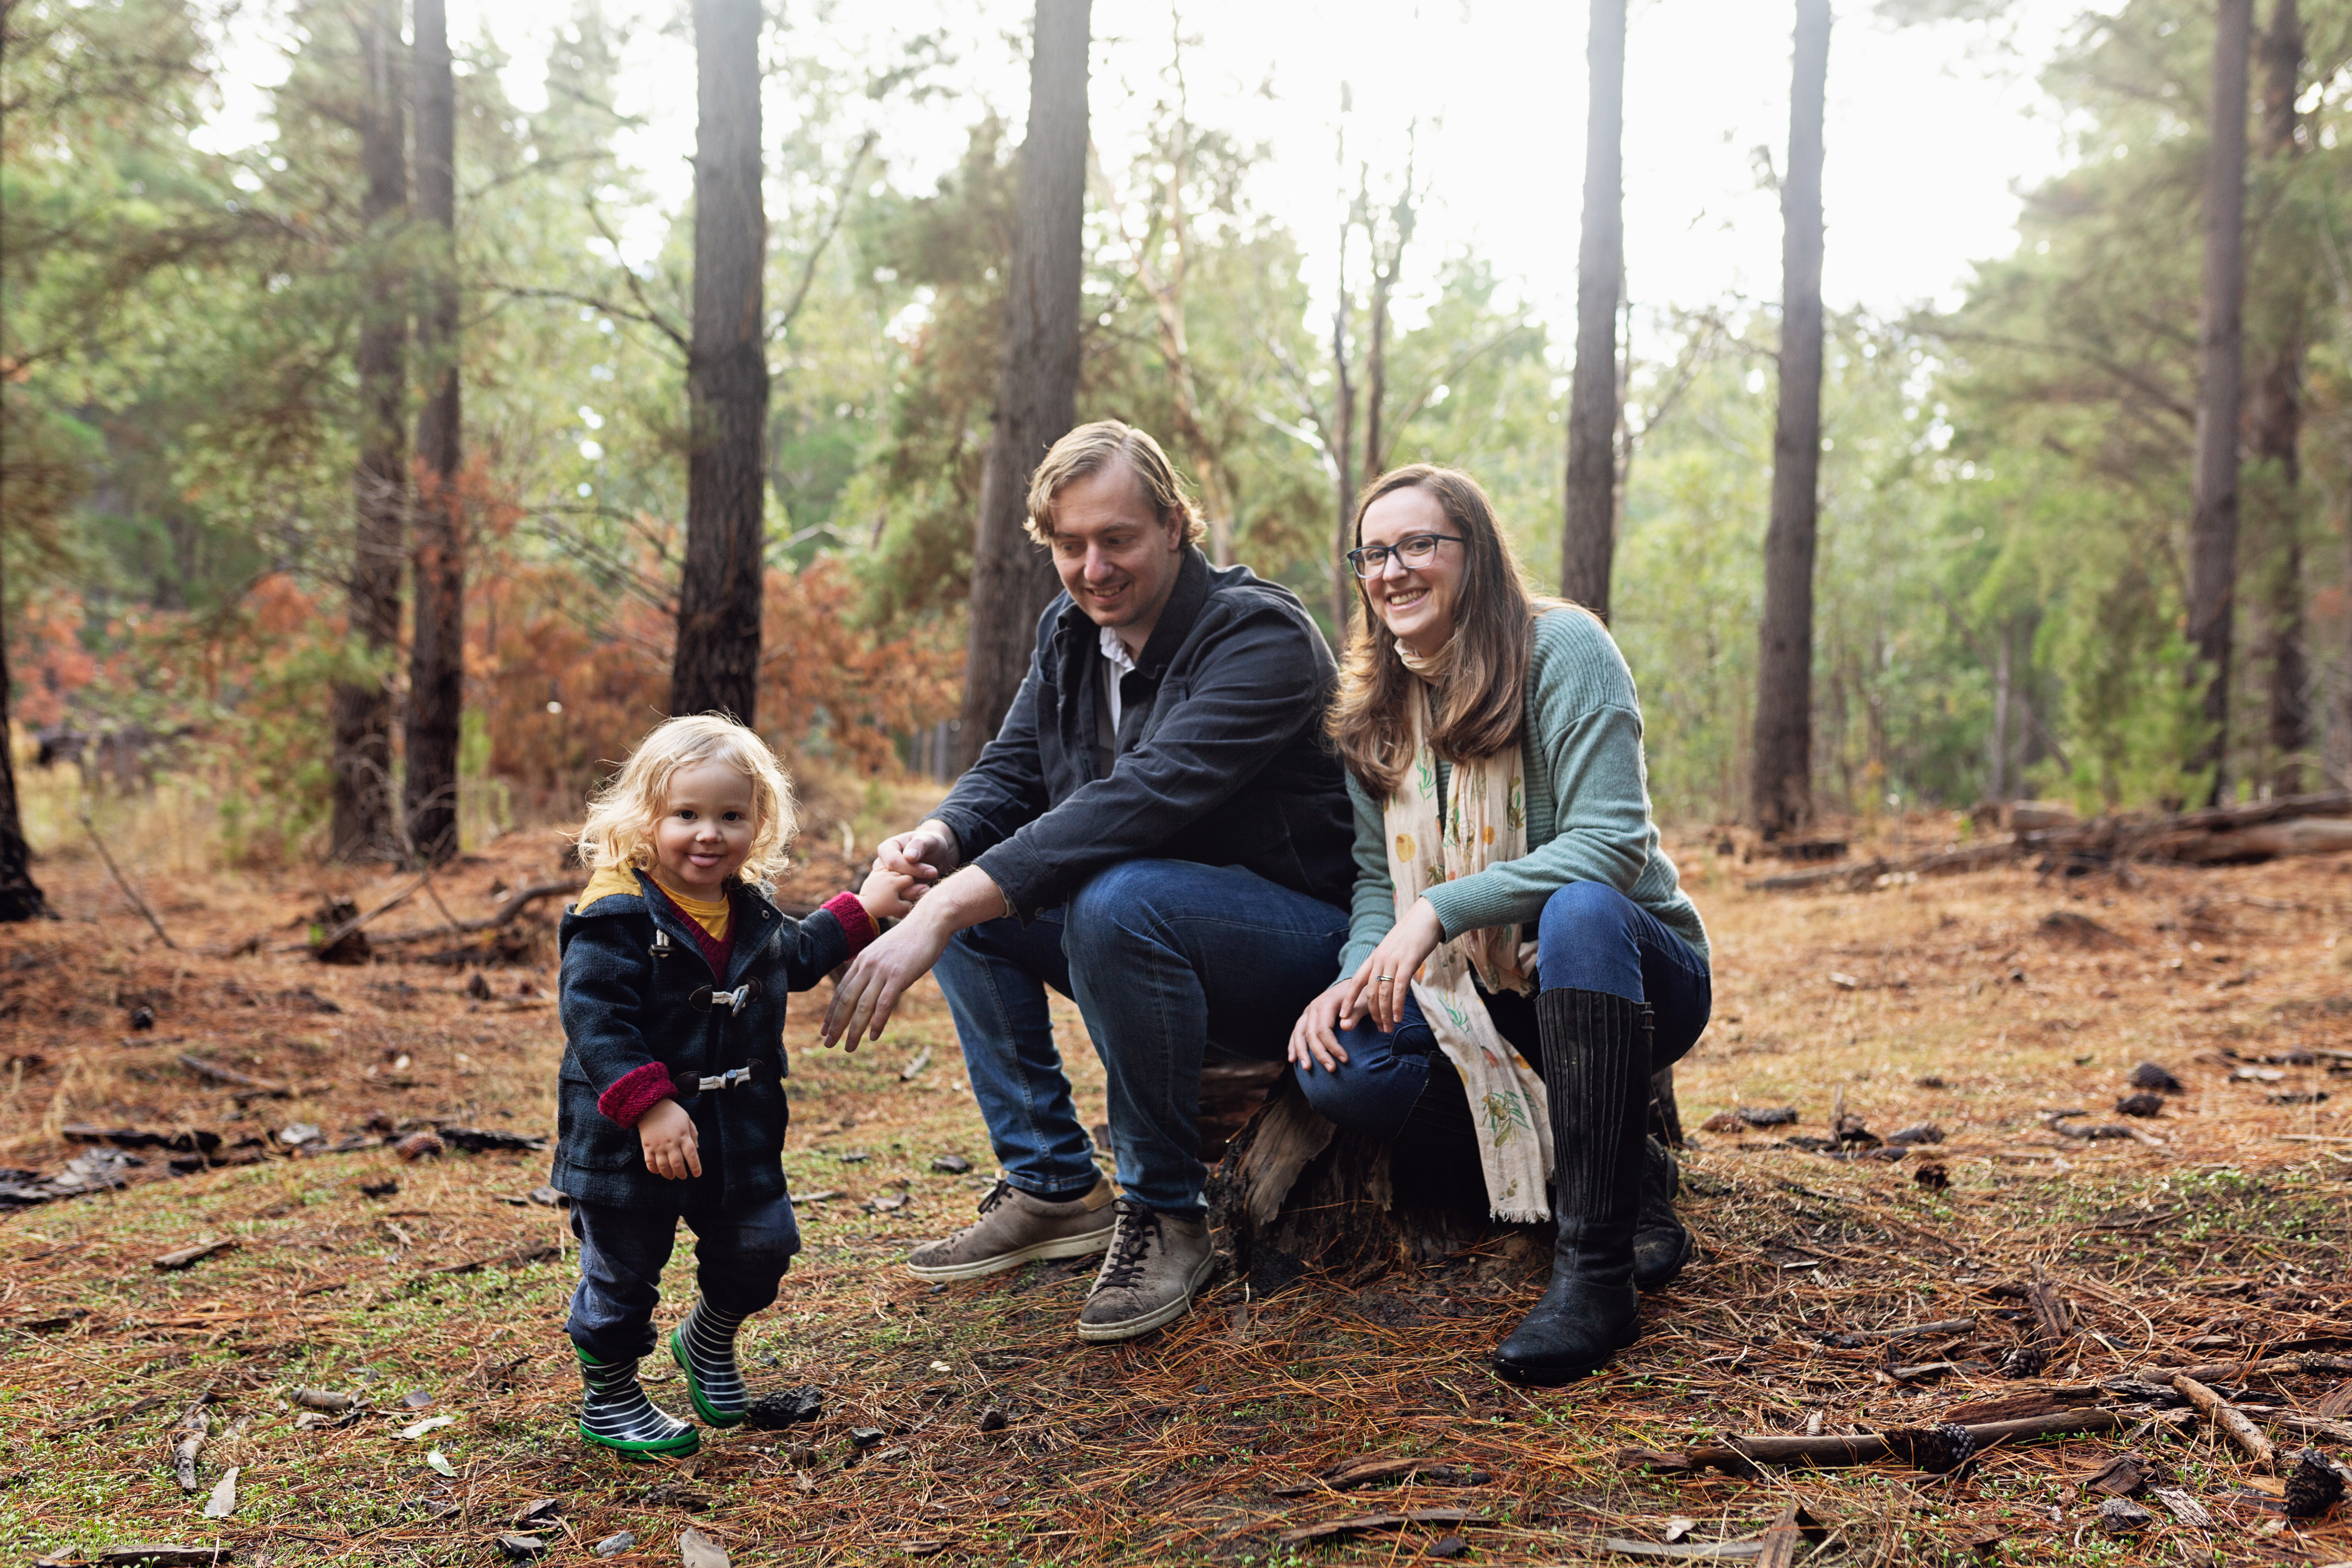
[671, 1103]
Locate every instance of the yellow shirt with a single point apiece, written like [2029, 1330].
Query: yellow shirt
[710, 914]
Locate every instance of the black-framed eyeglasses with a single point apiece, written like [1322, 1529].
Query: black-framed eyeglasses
[1416, 551]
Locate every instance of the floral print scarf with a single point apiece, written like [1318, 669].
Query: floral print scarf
[1483, 821]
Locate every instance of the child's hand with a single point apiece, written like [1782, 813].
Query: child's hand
[886, 895]
[672, 1150]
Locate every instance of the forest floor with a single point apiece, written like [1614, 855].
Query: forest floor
[438, 1287]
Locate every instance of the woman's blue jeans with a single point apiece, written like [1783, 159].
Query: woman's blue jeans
[1591, 938]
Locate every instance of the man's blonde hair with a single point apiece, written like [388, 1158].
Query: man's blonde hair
[1083, 453]
[621, 816]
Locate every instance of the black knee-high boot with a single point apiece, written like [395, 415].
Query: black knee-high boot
[1597, 1082]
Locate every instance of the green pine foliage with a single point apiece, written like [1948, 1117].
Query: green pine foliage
[2012, 475]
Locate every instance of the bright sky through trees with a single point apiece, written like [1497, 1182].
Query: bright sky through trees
[1930, 129]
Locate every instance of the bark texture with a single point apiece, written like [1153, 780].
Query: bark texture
[1037, 373]
[2213, 527]
[1588, 542]
[716, 667]
[20, 896]
[1781, 788]
[361, 826]
[1294, 1193]
[1343, 436]
[2276, 422]
[436, 666]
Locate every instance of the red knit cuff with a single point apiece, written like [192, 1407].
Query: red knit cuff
[850, 911]
[636, 1092]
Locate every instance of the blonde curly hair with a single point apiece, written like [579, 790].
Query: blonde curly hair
[621, 816]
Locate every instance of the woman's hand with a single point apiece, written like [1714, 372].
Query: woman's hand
[1314, 1039]
[1386, 979]
[672, 1150]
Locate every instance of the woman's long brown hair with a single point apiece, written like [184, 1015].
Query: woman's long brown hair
[1481, 706]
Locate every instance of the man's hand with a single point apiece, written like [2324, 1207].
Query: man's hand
[672, 1150]
[925, 854]
[1314, 1039]
[868, 989]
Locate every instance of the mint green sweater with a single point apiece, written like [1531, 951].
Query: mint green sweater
[1588, 805]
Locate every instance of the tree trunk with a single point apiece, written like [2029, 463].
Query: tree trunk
[1782, 787]
[1036, 372]
[1997, 758]
[2213, 529]
[20, 896]
[2278, 418]
[1588, 542]
[1343, 424]
[716, 666]
[362, 826]
[436, 663]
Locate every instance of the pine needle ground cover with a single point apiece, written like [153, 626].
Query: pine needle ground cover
[967, 1424]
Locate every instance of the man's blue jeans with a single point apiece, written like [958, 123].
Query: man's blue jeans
[1591, 938]
[1168, 960]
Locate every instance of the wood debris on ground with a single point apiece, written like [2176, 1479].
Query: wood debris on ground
[1974, 1369]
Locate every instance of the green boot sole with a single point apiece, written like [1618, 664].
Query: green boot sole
[686, 1443]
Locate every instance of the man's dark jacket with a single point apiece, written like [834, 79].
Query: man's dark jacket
[1222, 759]
[630, 1019]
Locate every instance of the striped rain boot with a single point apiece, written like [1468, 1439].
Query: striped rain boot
[616, 1413]
[704, 1348]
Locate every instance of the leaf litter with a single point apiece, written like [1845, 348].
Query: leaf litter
[1345, 1400]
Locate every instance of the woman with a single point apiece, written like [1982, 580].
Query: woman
[1493, 750]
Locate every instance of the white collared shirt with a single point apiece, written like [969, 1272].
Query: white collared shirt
[1122, 663]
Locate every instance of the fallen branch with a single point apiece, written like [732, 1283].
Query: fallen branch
[2303, 1425]
[517, 902]
[188, 1256]
[1373, 1471]
[1740, 1455]
[334, 938]
[2217, 836]
[124, 882]
[1855, 1339]
[2238, 1371]
[2229, 1419]
[1339, 1529]
[234, 1078]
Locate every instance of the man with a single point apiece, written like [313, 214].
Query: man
[1158, 832]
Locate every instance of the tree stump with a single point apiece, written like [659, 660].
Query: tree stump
[1294, 1193]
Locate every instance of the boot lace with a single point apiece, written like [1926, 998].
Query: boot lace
[1139, 1228]
[988, 1205]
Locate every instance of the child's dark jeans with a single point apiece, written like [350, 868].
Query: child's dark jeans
[740, 1253]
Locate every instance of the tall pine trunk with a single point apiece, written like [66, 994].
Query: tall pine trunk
[1343, 431]
[361, 826]
[1588, 541]
[2213, 529]
[20, 896]
[716, 667]
[1781, 789]
[2276, 415]
[1037, 373]
[436, 667]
